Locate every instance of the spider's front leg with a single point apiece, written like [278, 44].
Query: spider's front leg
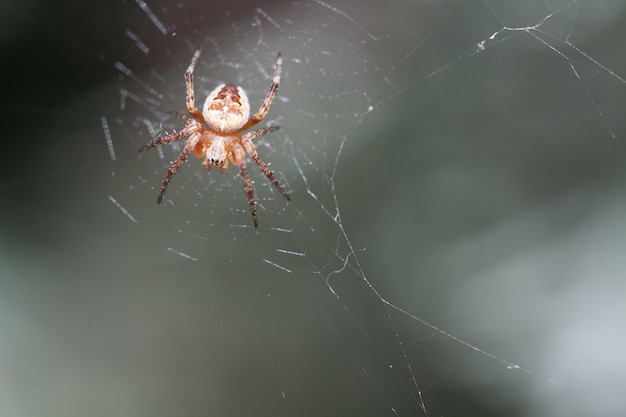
[260, 114]
[191, 95]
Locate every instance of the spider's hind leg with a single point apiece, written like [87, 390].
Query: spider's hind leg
[247, 185]
[238, 157]
[191, 143]
[246, 141]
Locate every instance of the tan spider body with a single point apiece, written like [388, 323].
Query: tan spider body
[215, 134]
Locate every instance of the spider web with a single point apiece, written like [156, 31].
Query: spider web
[452, 247]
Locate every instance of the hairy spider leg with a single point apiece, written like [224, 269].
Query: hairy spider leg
[249, 191]
[188, 130]
[191, 96]
[268, 98]
[191, 142]
[246, 141]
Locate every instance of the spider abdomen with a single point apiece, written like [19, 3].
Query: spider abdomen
[227, 108]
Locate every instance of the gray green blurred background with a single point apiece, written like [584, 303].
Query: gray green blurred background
[457, 212]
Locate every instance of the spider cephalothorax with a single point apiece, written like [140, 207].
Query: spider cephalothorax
[215, 134]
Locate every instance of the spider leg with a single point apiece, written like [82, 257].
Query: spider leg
[249, 190]
[188, 130]
[268, 98]
[177, 163]
[246, 141]
[191, 96]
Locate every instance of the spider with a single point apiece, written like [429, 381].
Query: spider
[215, 134]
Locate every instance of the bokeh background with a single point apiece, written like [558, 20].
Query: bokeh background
[454, 245]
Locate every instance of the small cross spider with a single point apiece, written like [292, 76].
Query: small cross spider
[215, 135]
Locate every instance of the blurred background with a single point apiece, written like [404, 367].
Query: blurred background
[454, 244]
